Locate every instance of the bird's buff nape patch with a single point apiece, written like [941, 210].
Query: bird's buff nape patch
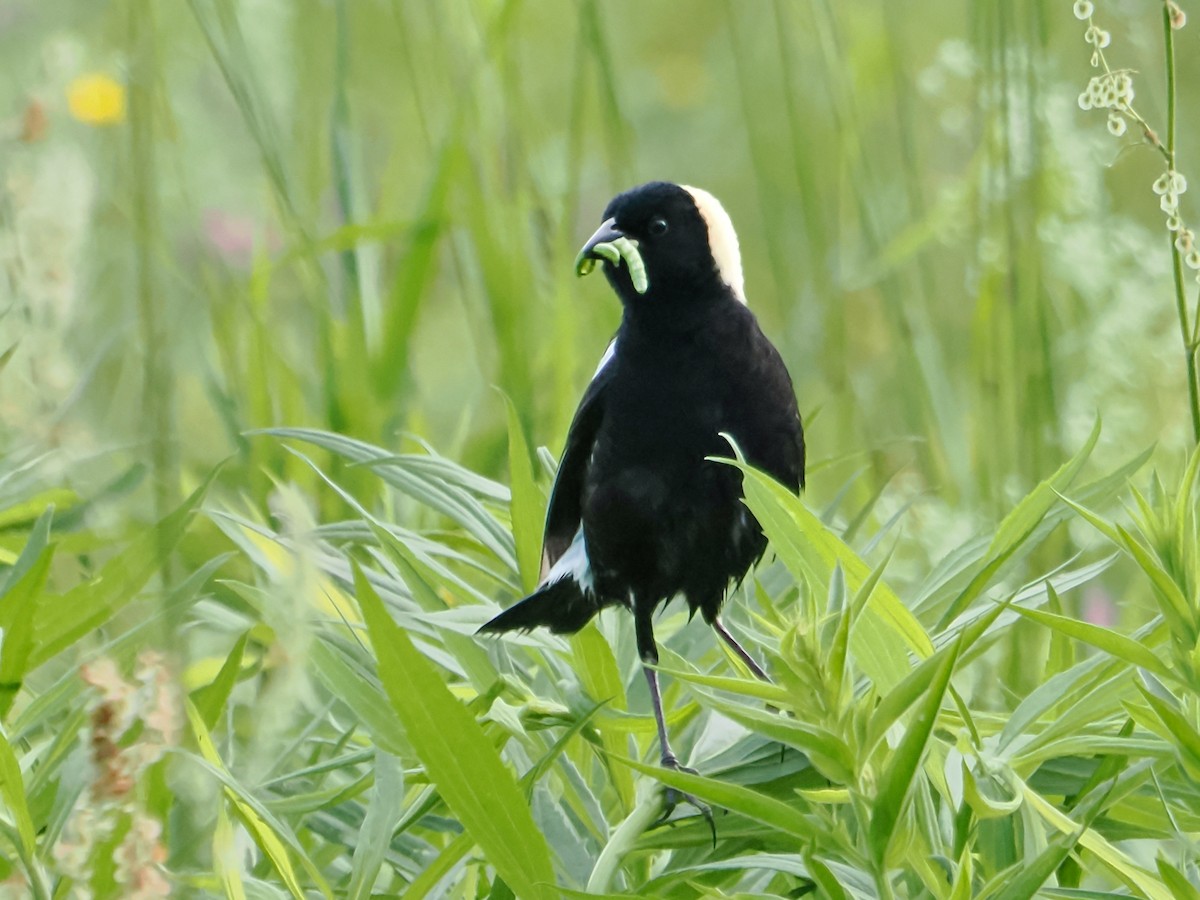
[623, 248]
[722, 239]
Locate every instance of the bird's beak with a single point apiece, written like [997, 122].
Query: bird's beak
[610, 243]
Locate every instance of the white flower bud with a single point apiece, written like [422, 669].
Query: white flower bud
[1084, 9]
[1116, 124]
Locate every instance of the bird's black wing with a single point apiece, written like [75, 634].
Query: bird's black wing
[566, 497]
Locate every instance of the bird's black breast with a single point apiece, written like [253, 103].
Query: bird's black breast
[658, 517]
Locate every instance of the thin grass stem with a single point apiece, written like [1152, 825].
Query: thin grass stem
[157, 374]
[1181, 307]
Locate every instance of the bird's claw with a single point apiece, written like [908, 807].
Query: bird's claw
[672, 797]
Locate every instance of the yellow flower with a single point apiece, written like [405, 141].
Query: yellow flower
[96, 100]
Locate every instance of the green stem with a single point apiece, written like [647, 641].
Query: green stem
[1181, 307]
[157, 375]
[643, 816]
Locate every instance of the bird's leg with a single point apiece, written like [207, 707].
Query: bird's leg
[737, 648]
[648, 651]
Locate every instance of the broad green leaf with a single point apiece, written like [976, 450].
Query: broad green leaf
[1184, 737]
[1111, 642]
[267, 833]
[458, 756]
[356, 690]
[820, 873]
[1173, 605]
[886, 631]
[1019, 524]
[897, 777]
[1176, 881]
[19, 606]
[1025, 516]
[36, 508]
[433, 873]
[1031, 874]
[597, 670]
[225, 857]
[12, 791]
[439, 484]
[375, 835]
[472, 657]
[785, 817]
[1117, 861]
[35, 543]
[962, 887]
[743, 687]
[1185, 512]
[1054, 690]
[527, 507]
[210, 700]
[829, 754]
[63, 620]
[901, 697]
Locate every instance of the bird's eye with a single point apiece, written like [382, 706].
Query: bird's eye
[657, 227]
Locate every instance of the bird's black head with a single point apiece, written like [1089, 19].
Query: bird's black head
[666, 244]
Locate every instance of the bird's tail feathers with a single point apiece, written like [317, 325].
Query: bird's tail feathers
[563, 606]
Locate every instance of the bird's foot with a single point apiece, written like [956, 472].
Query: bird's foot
[672, 796]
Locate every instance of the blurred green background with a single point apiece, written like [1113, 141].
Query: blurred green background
[222, 216]
[361, 216]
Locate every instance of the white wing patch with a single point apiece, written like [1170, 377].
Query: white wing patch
[573, 564]
[606, 358]
[722, 240]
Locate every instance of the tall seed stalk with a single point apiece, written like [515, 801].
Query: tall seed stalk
[1113, 90]
[1190, 333]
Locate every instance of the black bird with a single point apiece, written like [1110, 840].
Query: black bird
[638, 514]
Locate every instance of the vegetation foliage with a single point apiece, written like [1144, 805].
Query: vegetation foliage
[262, 268]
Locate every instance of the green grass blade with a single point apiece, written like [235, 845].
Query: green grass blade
[118, 582]
[383, 815]
[527, 506]
[897, 778]
[458, 756]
